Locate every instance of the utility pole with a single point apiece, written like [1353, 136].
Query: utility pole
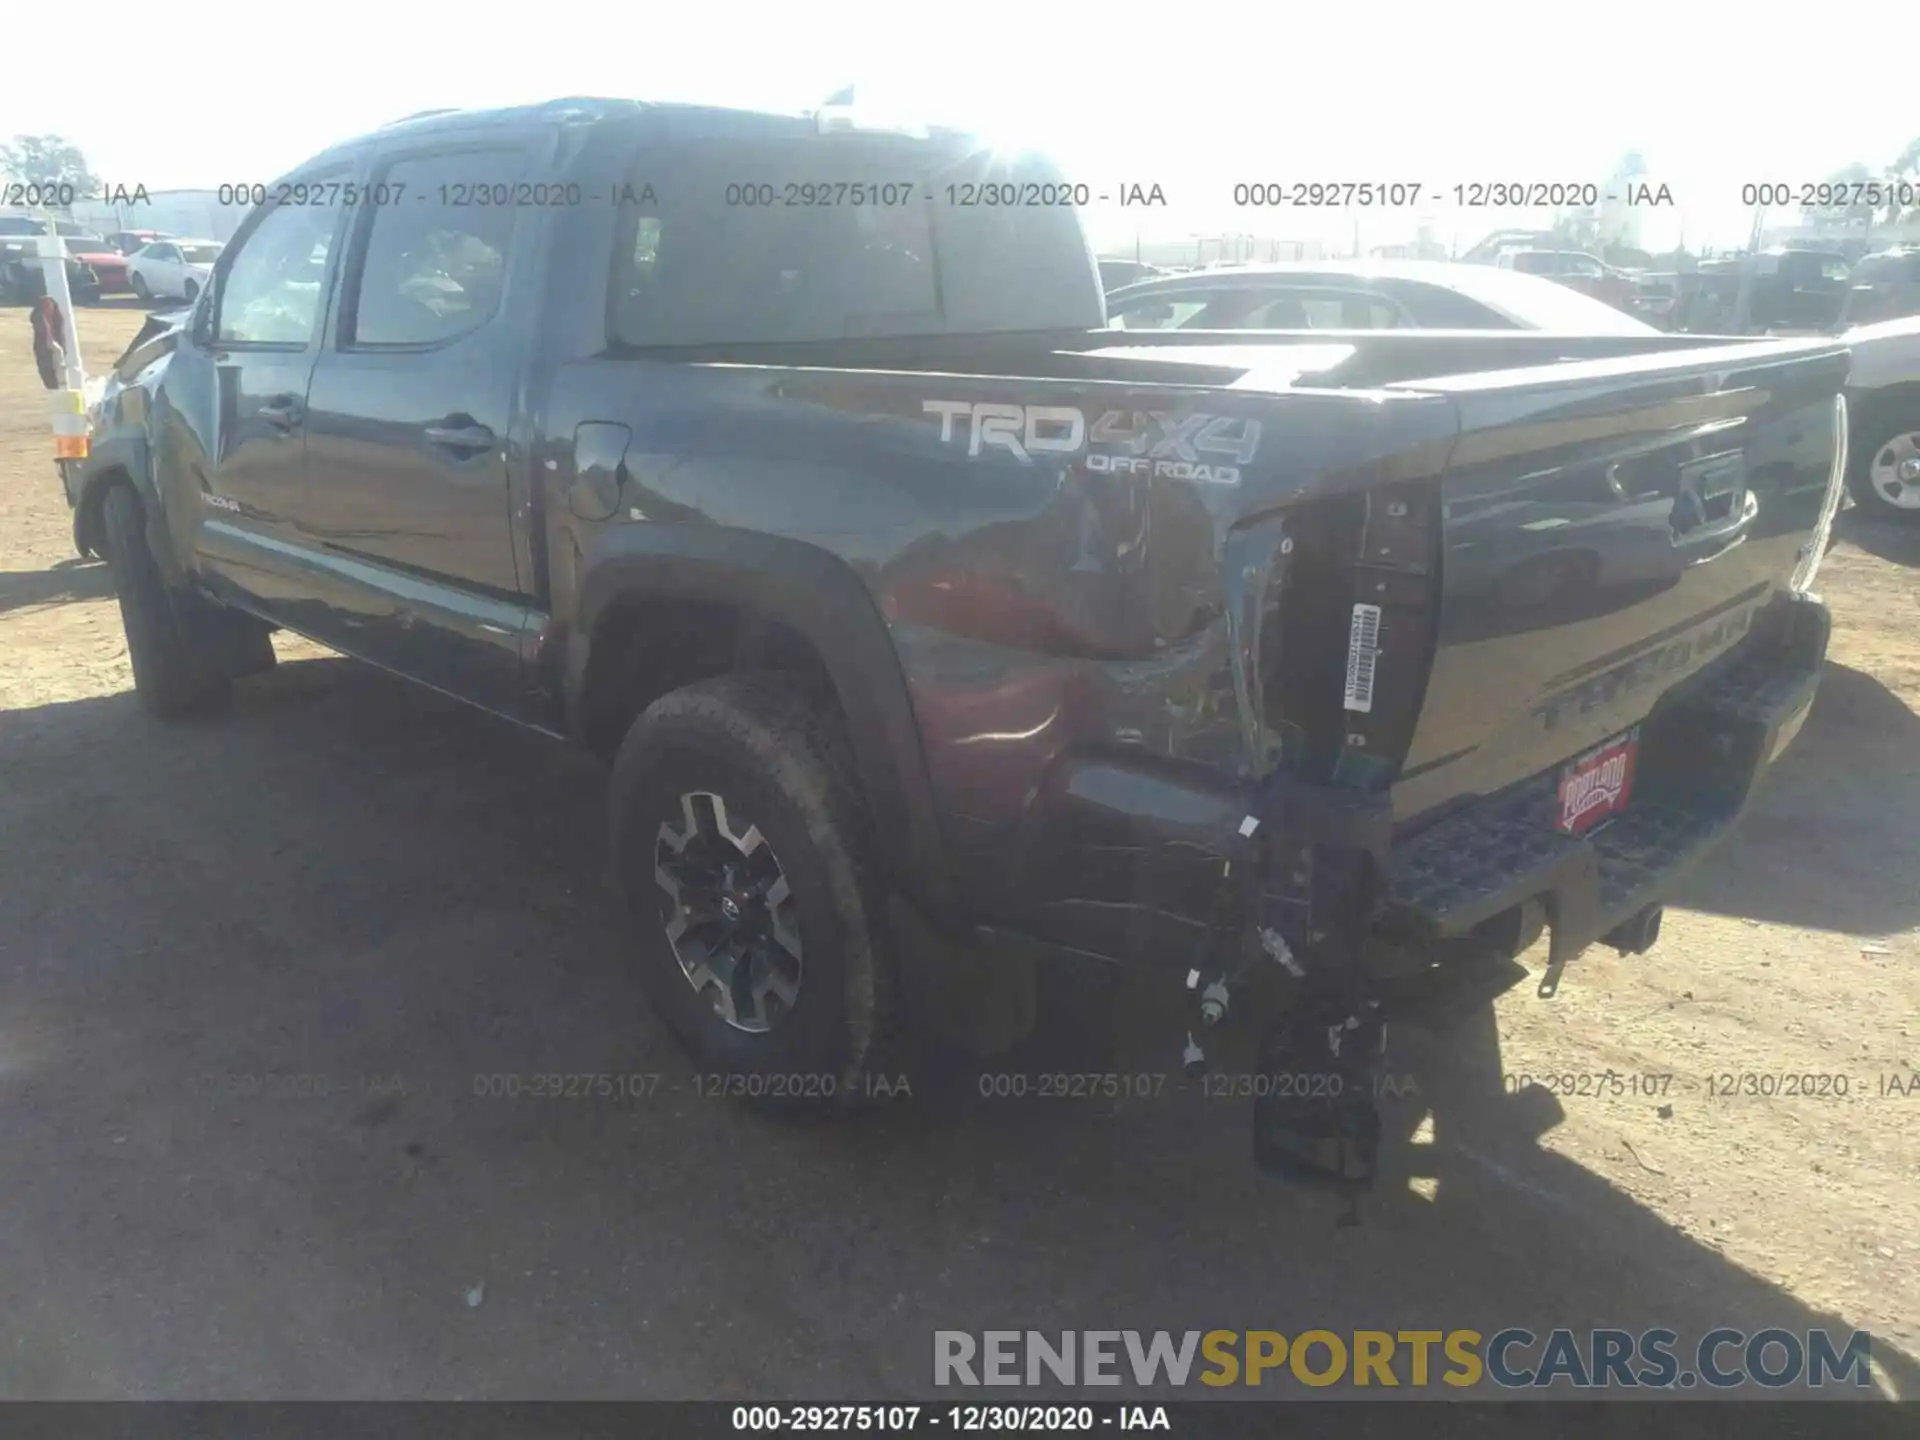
[1749, 266]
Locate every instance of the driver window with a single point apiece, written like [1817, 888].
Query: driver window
[272, 291]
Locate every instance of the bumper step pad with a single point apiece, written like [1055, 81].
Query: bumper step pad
[1703, 749]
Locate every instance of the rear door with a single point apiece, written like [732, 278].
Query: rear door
[409, 413]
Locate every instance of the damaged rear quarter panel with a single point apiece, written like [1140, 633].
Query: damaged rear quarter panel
[1049, 615]
[1093, 627]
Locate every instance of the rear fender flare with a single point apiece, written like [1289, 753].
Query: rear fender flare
[819, 596]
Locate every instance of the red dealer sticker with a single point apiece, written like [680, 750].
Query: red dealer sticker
[1598, 784]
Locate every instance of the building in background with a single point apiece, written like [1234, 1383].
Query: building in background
[195, 213]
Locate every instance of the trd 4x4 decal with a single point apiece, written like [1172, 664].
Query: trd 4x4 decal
[1167, 444]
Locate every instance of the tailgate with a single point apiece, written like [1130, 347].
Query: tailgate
[1609, 528]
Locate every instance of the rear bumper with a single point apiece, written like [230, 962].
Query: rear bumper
[1141, 865]
[1703, 750]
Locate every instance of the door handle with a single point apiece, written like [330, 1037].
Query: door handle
[283, 412]
[468, 439]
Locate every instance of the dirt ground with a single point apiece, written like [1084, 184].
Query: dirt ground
[251, 968]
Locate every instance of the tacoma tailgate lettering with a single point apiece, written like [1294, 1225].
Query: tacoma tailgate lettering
[1645, 668]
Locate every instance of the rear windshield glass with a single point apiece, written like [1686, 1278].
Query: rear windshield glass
[843, 237]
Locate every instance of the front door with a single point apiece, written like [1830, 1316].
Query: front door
[257, 348]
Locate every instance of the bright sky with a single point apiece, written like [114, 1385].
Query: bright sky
[1193, 98]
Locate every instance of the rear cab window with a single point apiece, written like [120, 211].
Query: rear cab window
[839, 237]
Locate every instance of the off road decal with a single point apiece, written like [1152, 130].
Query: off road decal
[1162, 444]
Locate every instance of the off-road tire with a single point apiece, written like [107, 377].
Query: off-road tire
[175, 671]
[783, 765]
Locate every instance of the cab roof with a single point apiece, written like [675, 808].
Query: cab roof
[721, 121]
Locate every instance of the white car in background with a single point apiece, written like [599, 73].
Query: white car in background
[172, 269]
[1883, 415]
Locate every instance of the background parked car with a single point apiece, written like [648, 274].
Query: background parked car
[129, 241]
[1364, 295]
[1656, 295]
[1884, 286]
[172, 269]
[108, 265]
[1791, 290]
[1883, 419]
[1575, 269]
[1116, 273]
[21, 279]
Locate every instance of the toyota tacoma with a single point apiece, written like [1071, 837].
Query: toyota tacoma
[931, 629]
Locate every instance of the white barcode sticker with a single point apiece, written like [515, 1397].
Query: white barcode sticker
[1363, 649]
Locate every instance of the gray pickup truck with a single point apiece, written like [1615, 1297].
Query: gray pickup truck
[931, 629]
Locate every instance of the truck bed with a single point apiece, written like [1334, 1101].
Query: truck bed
[1557, 531]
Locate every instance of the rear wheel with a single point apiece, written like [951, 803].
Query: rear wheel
[741, 850]
[191, 289]
[1884, 472]
[140, 290]
[176, 670]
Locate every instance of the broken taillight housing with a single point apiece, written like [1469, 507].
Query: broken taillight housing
[1351, 632]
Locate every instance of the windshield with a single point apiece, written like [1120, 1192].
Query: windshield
[1537, 304]
[200, 254]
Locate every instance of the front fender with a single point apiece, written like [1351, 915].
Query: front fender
[818, 596]
[122, 456]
